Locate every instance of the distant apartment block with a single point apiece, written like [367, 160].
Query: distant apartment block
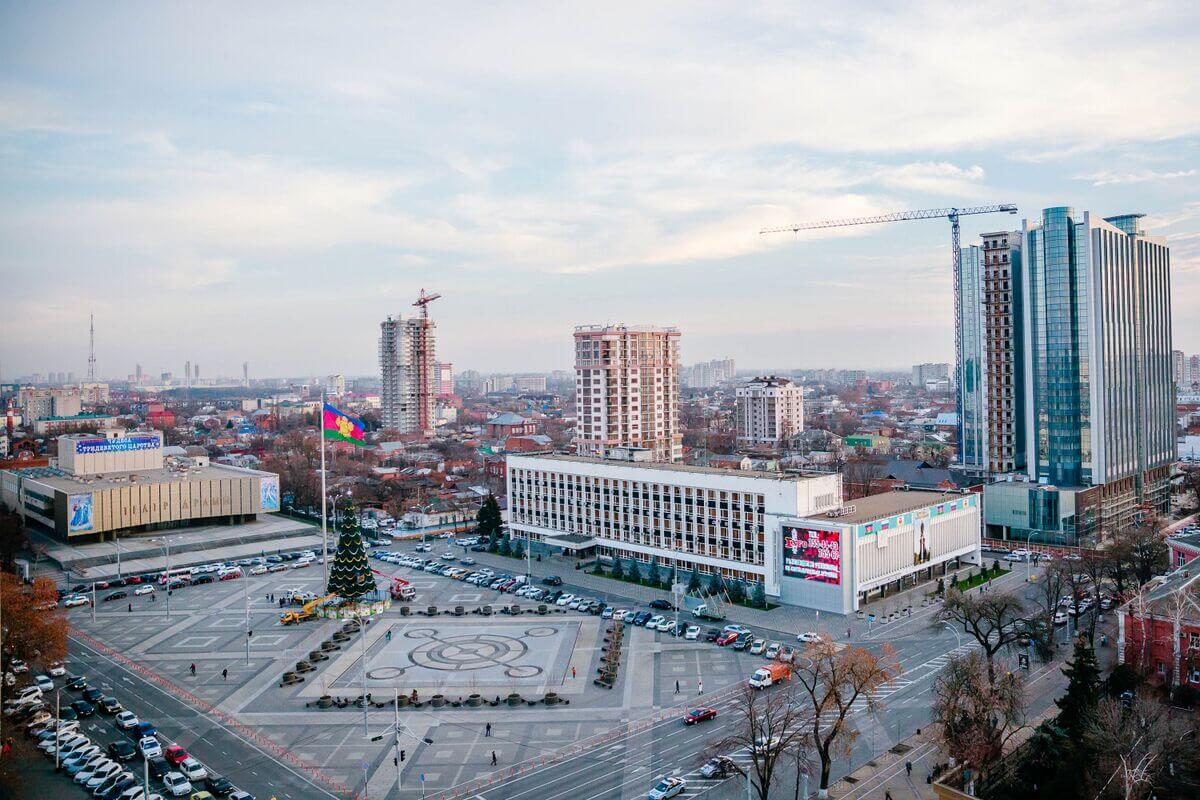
[43, 403]
[923, 374]
[445, 378]
[408, 374]
[770, 410]
[529, 384]
[627, 390]
[335, 385]
[708, 374]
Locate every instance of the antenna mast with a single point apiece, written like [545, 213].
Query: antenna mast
[91, 348]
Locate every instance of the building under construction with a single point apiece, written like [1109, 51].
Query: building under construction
[409, 380]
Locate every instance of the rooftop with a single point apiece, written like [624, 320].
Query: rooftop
[57, 479]
[507, 418]
[684, 468]
[877, 506]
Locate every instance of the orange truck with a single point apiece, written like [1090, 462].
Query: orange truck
[769, 675]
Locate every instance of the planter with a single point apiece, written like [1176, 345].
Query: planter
[513, 699]
[474, 701]
[404, 611]
[541, 609]
[437, 701]
[459, 611]
[486, 611]
[325, 701]
[431, 611]
[402, 701]
[552, 699]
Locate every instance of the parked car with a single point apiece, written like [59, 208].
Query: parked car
[150, 747]
[118, 595]
[692, 633]
[711, 635]
[126, 720]
[145, 588]
[718, 767]
[177, 785]
[667, 788]
[174, 754]
[552, 580]
[192, 769]
[662, 605]
[122, 750]
[809, 636]
[218, 785]
[758, 646]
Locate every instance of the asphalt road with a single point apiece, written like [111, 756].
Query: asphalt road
[241, 761]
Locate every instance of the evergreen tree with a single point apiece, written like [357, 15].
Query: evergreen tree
[759, 597]
[737, 592]
[716, 584]
[618, 571]
[635, 571]
[693, 582]
[1083, 690]
[516, 548]
[489, 522]
[350, 573]
[503, 547]
[652, 572]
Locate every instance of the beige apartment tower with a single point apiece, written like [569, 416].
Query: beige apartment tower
[627, 390]
[770, 410]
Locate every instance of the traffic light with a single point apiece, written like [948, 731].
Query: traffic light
[249, 634]
[403, 755]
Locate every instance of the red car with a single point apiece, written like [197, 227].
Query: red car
[726, 639]
[699, 715]
[175, 755]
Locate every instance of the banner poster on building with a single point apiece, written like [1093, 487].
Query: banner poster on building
[269, 493]
[124, 444]
[812, 555]
[79, 513]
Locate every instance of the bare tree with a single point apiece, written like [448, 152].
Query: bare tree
[838, 677]
[1076, 586]
[1046, 600]
[768, 725]
[976, 714]
[1137, 747]
[994, 619]
[1095, 568]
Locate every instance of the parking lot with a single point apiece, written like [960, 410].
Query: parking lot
[135, 642]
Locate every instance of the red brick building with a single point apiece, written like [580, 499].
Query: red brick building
[509, 424]
[1159, 631]
[1183, 548]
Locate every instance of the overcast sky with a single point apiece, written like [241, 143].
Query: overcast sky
[265, 182]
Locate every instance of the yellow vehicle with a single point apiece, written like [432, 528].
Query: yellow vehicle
[307, 611]
[202, 796]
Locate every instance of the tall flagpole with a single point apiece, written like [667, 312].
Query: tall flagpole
[324, 516]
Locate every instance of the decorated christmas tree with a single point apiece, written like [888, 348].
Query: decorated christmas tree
[350, 573]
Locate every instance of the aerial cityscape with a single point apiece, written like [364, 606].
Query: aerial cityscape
[600, 402]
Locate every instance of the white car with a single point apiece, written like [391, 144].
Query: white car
[1060, 618]
[664, 626]
[667, 788]
[260, 569]
[619, 615]
[809, 636]
[564, 600]
[127, 720]
[654, 621]
[72, 600]
[177, 785]
[150, 747]
[692, 633]
[56, 670]
[192, 769]
[99, 773]
[145, 588]
[44, 683]
[64, 741]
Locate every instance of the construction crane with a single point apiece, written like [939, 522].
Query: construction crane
[423, 300]
[951, 214]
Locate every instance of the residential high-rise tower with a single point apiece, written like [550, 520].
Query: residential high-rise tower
[770, 410]
[627, 390]
[408, 374]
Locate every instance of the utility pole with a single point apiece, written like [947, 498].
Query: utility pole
[91, 348]
[396, 725]
[246, 599]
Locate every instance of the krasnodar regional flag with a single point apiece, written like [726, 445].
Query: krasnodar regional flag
[342, 427]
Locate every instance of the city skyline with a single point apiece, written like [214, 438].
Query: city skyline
[243, 188]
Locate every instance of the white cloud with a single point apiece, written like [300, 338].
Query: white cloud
[1109, 177]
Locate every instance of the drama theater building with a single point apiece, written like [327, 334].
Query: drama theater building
[119, 483]
[788, 530]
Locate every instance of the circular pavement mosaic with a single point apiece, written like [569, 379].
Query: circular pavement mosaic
[470, 652]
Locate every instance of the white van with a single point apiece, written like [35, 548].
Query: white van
[28, 692]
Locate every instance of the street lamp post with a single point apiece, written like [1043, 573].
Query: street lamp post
[1029, 559]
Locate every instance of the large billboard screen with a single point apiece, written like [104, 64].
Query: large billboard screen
[812, 555]
[269, 493]
[79, 513]
[125, 444]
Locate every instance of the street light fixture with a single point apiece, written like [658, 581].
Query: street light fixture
[395, 729]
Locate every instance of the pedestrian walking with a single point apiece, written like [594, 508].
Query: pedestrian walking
[908, 768]
[154, 598]
[887, 795]
[193, 668]
[676, 687]
[131, 608]
[493, 758]
[268, 597]
[847, 633]
[487, 730]
[700, 688]
[572, 673]
[225, 674]
[388, 635]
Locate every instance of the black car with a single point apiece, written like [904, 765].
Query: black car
[173, 585]
[80, 588]
[159, 767]
[67, 714]
[199, 579]
[83, 708]
[552, 598]
[116, 596]
[479, 548]
[552, 580]
[110, 705]
[75, 682]
[92, 695]
[119, 788]
[122, 750]
[711, 635]
[662, 605]
[742, 643]
[642, 618]
[218, 785]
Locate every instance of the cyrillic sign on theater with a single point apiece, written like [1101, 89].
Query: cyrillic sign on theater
[126, 444]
